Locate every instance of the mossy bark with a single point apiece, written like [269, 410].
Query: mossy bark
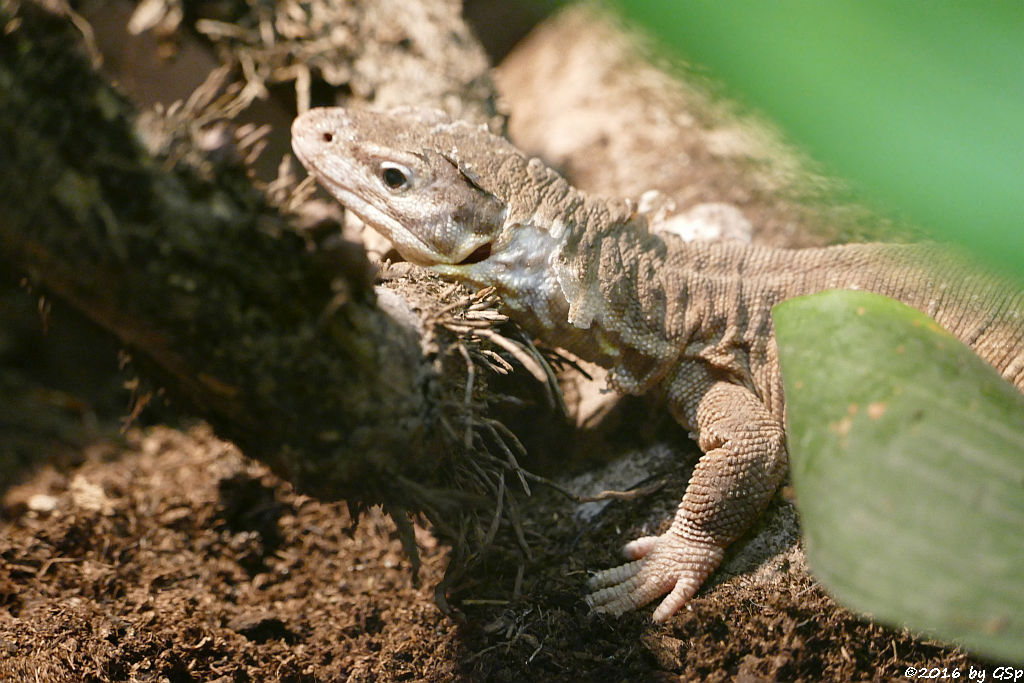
[215, 295]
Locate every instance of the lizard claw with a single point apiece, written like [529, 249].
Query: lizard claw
[669, 563]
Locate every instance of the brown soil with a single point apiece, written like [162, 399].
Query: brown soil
[171, 557]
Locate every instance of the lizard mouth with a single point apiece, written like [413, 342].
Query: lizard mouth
[481, 253]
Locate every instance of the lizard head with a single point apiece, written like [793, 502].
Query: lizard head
[399, 172]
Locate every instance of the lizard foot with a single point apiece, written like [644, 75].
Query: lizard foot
[662, 564]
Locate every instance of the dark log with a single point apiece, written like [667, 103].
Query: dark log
[243, 318]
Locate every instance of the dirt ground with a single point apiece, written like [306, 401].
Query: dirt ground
[168, 556]
[161, 553]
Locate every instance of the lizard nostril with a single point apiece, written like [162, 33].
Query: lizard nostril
[328, 136]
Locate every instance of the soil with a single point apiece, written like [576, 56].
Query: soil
[168, 556]
[162, 553]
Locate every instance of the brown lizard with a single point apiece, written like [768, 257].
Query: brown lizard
[689, 320]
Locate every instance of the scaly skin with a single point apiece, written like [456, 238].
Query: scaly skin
[689, 320]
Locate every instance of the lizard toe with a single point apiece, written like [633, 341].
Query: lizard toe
[615, 576]
[634, 550]
[633, 591]
[670, 564]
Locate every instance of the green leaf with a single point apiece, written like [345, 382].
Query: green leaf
[907, 458]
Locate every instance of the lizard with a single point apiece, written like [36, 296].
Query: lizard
[689, 320]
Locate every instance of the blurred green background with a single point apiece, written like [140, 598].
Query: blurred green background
[918, 105]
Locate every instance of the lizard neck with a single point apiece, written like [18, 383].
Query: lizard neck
[539, 265]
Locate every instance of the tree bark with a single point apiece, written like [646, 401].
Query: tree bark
[269, 331]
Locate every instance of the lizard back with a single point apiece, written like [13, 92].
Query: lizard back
[664, 301]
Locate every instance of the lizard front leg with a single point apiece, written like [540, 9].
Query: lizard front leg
[743, 463]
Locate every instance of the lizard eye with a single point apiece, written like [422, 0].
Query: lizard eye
[395, 176]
